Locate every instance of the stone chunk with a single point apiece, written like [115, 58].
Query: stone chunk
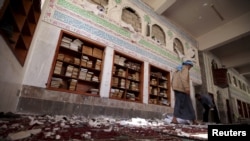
[23, 134]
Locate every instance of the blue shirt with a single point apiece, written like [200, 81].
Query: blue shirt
[206, 100]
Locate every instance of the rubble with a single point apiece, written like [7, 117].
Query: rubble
[23, 134]
[78, 128]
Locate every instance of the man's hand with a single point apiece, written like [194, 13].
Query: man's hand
[211, 107]
[187, 91]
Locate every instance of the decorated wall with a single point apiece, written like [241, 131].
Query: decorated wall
[151, 39]
[106, 26]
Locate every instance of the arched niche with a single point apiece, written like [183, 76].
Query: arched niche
[102, 3]
[234, 81]
[178, 47]
[129, 16]
[158, 34]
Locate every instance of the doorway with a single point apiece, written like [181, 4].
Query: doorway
[228, 112]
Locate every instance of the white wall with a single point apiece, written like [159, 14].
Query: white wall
[42, 54]
[11, 75]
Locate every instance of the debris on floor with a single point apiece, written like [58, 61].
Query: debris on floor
[14, 127]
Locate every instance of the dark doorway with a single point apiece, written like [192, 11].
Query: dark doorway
[228, 112]
[214, 113]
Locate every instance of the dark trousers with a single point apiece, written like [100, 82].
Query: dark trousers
[205, 113]
[216, 115]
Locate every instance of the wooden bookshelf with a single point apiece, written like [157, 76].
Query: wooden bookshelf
[127, 78]
[77, 65]
[159, 86]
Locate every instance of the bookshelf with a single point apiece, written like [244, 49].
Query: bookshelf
[159, 86]
[127, 78]
[77, 65]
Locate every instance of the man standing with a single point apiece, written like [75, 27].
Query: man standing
[183, 107]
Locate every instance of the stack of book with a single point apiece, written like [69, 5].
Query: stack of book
[75, 72]
[73, 46]
[76, 45]
[94, 91]
[114, 70]
[134, 76]
[154, 91]
[121, 72]
[97, 53]
[122, 83]
[69, 71]
[56, 82]
[72, 84]
[113, 92]
[116, 60]
[66, 42]
[163, 84]
[153, 101]
[128, 84]
[120, 93]
[133, 66]
[130, 96]
[120, 60]
[116, 93]
[87, 50]
[153, 81]
[84, 61]
[89, 64]
[60, 56]
[98, 64]
[95, 78]
[134, 86]
[165, 102]
[68, 59]
[163, 93]
[115, 81]
[58, 67]
[76, 61]
[83, 74]
[89, 76]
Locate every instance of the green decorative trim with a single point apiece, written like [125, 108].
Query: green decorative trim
[187, 45]
[170, 34]
[118, 1]
[157, 49]
[147, 19]
[94, 18]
